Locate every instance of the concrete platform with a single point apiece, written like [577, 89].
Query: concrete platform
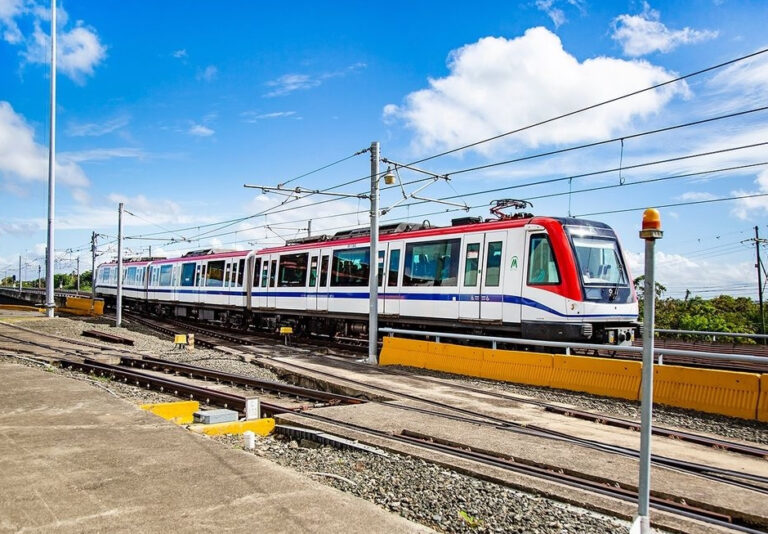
[75, 459]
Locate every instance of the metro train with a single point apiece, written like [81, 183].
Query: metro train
[522, 276]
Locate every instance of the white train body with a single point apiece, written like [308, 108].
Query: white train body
[540, 277]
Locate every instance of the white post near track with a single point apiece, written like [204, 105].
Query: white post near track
[651, 231]
[373, 280]
[119, 297]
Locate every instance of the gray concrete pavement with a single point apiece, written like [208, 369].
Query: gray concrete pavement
[75, 459]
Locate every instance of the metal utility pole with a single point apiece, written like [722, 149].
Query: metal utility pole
[651, 231]
[119, 304]
[77, 283]
[93, 267]
[50, 305]
[39, 281]
[19, 274]
[309, 228]
[759, 281]
[373, 301]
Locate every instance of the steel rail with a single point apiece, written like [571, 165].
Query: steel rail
[553, 476]
[241, 380]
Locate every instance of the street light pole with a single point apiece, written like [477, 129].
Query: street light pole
[373, 319]
[50, 305]
[119, 298]
[651, 231]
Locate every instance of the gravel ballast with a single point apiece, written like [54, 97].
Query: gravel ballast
[429, 494]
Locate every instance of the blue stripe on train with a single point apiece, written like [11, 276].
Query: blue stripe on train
[446, 297]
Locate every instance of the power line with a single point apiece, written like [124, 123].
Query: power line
[691, 203]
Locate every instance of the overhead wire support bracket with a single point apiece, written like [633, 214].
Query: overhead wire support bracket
[302, 191]
[435, 177]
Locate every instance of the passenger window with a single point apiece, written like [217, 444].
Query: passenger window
[435, 263]
[394, 267]
[240, 271]
[165, 275]
[493, 264]
[324, 272]
[256, 273]
[542, 268]
[470, 264]
[273, 273]
[227, 273]
[215, 274]
[313, 271]
[351, 267]
[188, 274]
[293, 270]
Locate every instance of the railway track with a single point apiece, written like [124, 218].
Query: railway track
[233, 401]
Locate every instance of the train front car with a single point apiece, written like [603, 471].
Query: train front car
[578, 284]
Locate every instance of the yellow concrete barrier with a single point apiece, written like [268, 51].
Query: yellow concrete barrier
[262, 427]
[83, 306]
[532, 368]
[400, 351]
[707, 390]
[736, 394]
[181, 413]
[762, 404]
[599, 376]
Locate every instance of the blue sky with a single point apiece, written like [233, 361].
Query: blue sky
[171, 107]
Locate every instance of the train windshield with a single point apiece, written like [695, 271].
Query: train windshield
[599, 261]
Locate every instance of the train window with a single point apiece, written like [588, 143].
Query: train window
[542, 268]
[165, 275]
[351, 267]
[471, 264]
[228, 273]
[240, 272]
[293, 270]
[130, 276]
[272, 273]
[435, 263]
[380, 267]
[265, 274]
[599, 261]
[493, 264]
[154, 273]
[215, 274]
[313, 271]
[256, 273]
[187, 274]
[394, 267]
[324, 272]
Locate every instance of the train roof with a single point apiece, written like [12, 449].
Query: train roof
[393, 231]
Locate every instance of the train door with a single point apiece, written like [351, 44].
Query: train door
[391, 287]
[469, 291]
[312, 280]
[230, 268]
[491, 288]
[200, 280]
[261, 286]
[321, 302]
[271, 290]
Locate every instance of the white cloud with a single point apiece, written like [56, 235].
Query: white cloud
[101, 154]
[743, 83]
[179, 54]
[498, 84]
[200, 131]
[253, 116]
[20, 228]
[696, 196]
[645, 33]
[9, 10]
[749, 206]
[208, 74]
[93, 129]
[22, 159]
[79, 50]
[678, 272]
[288, 83]
[556, 14]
